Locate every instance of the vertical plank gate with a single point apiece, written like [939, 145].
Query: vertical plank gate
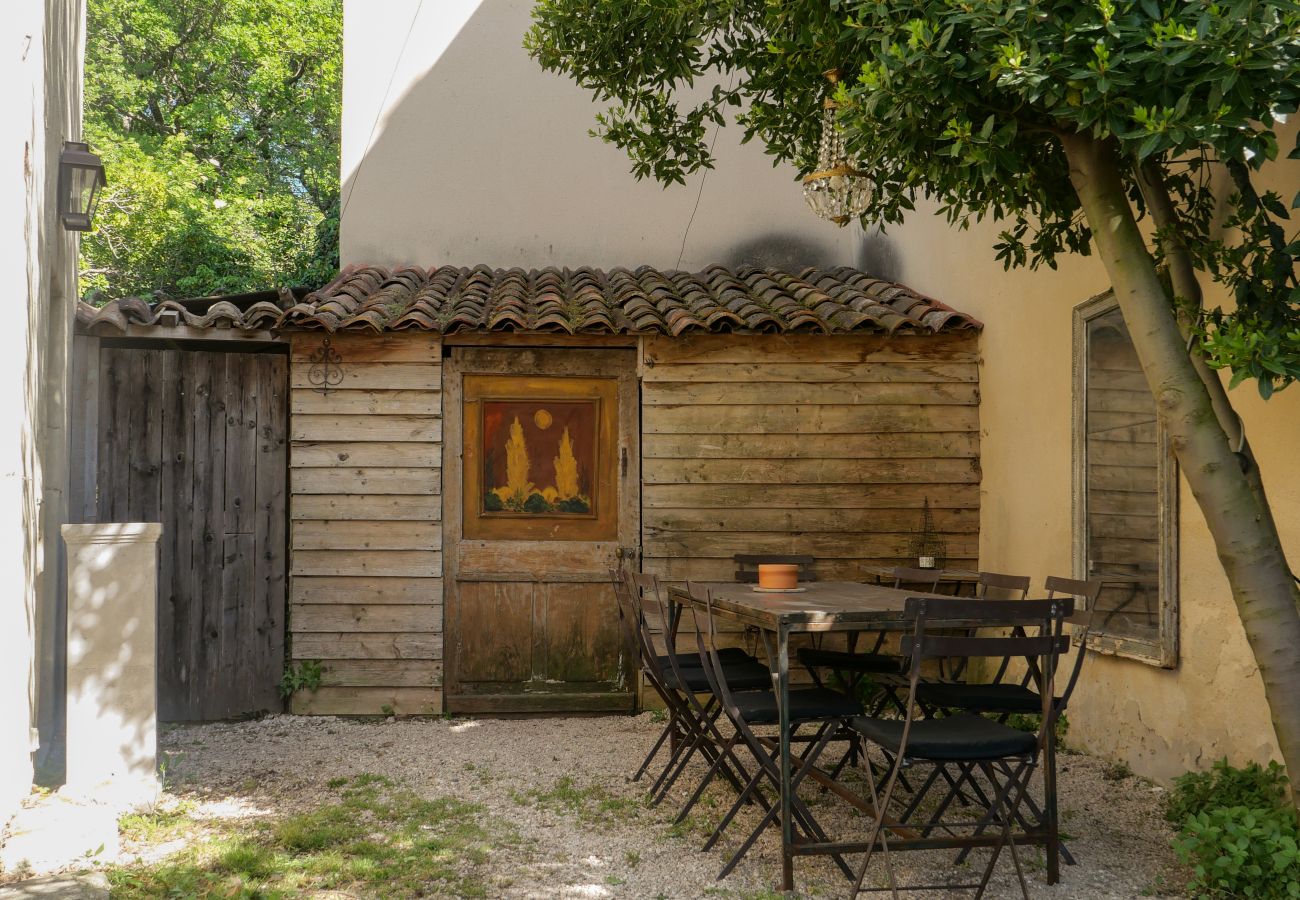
[196, 440]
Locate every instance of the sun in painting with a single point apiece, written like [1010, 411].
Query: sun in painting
[542, 419]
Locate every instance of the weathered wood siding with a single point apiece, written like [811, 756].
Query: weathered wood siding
[366, 532]
[196, 441]
[817, 445]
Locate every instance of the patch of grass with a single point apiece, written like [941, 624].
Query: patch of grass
[632, 858]
[1116, 771]
[760, 894]
[158, 824]
[377, 838]
[588, 804]
[1031, 722]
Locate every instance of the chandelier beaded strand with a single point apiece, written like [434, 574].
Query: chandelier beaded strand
[837, 190]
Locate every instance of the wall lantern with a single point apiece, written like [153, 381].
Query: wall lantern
[837, 190]
[81, 175]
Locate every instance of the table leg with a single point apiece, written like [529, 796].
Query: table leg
[1050, 809]
[783, 710]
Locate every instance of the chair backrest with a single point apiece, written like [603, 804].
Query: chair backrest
[931, 638]
[927, 579]
[706, 638]
[1086, 591]
[650, 601]
[1002, 585]
[628, 610]
[747, 565]
[1039, 634]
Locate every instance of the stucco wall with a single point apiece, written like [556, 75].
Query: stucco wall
[40, 67]
[1162, 722]
[473, 154]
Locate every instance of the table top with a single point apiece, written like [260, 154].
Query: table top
[823, 606]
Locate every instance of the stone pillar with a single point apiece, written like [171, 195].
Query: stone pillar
[112, 730]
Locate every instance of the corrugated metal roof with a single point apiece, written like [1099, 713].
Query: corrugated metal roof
[449, 299]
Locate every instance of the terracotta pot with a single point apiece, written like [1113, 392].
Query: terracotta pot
[778, 576]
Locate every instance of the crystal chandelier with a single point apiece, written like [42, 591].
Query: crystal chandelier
[837, 190]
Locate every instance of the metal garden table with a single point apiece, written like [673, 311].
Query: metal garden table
[822, 607]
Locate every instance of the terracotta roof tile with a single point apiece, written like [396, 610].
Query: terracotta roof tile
[573, 301]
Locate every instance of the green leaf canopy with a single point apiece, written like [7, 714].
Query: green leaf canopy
[218, 123]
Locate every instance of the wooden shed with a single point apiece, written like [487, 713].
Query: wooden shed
[470, 450]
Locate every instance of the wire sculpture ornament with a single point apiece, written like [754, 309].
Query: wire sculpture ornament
[326, 370]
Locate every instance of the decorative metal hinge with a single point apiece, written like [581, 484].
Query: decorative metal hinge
[326, 370]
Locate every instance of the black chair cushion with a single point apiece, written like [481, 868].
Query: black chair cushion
[999, 698]
[959, 737]
[692, 660]
[844, 661]
[741, 676]
[806, 704]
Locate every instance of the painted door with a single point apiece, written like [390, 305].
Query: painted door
[542, 500]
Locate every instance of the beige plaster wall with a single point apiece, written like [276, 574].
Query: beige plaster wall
[1162, 722]
[473, 154]
[40, 68]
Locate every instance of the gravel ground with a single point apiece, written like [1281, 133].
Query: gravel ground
[583, 828]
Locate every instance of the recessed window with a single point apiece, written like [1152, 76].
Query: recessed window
[1125, 497]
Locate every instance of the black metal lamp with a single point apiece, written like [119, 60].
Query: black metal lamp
[81, 175]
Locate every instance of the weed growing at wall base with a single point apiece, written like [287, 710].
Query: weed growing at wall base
[1237, 831]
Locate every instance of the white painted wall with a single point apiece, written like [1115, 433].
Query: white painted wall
[474, 155]
[40, 68]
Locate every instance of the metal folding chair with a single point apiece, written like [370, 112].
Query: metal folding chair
[1004, 757]
[1002, 699]
[826, 710]
[692, 725]
[1001, 696]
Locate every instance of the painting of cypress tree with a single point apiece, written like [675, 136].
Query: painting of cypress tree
[549, 453]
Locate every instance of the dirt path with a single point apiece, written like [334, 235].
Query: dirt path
[579, 828]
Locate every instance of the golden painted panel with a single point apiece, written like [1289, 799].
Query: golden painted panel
[539, 460]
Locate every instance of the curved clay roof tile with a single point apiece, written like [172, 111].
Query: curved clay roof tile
[641, 300]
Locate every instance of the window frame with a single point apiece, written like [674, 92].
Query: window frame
[1161, 651]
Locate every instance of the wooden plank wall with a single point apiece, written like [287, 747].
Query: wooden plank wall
[816, 445]
[366, 559]
[196, 441]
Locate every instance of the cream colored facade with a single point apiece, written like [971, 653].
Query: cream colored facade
[1162, 722]
[457, 149]
[40, 67]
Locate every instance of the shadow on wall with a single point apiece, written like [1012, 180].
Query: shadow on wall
[790, 252]
[878, 256]
[473, 163]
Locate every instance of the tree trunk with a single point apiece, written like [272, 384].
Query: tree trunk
[1187, 288]
[1244, 536]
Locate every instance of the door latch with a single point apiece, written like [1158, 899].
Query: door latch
[623, 462]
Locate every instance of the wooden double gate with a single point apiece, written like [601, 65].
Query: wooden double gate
[196, 440]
